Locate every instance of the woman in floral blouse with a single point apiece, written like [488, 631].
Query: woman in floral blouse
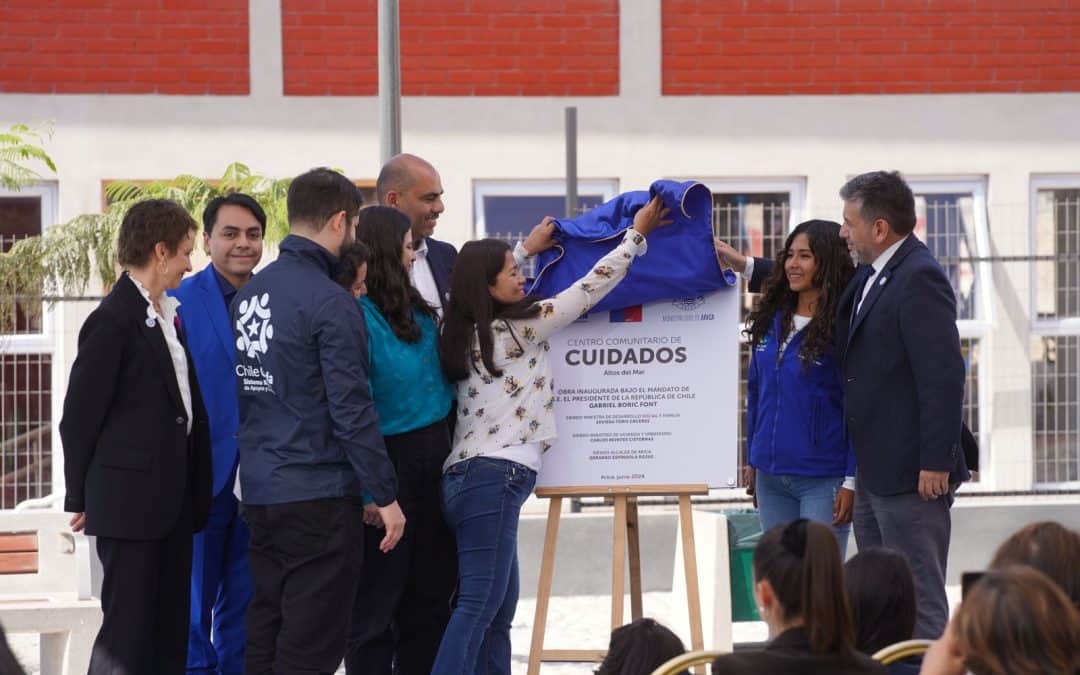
[494, 347]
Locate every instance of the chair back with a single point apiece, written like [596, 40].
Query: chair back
[679, 664]
[902, 650]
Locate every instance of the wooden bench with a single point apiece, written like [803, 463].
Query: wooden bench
[45, 588]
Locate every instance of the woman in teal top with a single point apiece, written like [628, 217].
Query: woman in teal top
[409, 588]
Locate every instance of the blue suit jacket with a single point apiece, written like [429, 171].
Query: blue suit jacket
[441, 257]
[205, 322]
[903, 372]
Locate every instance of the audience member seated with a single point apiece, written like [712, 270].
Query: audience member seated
[1013, 621]
[881, 593]
[640, 647]
[1049, 547]
[799, 589]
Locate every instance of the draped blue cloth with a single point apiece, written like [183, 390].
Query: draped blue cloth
[680, 263]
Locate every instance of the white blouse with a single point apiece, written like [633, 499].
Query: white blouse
[511, 417]
[176, 350]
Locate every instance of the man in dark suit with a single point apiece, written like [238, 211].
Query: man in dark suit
[403, 605]
[233, 229]
[903, 375]
[137, 448]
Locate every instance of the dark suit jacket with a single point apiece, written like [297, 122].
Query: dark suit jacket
[789, 654]
[441, 257]
[128, 457]
[903, 372]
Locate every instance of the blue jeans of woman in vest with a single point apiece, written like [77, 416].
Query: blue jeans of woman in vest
[782, 499]
[482, 499]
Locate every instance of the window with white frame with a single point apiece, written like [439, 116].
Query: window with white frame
[754, 216]
[952, 222]
[508, 209]
[26, 364]
[1055, 353]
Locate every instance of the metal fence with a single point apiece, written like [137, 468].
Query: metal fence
[25, 427]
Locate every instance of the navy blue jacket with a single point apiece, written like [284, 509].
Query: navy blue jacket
[681, 262]
[795, 416]
[308, 426]
[441, 257]
[205, 321]
[903, 372]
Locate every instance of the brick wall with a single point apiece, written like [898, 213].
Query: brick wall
[456, 47]
[124, 46]
[870, 46]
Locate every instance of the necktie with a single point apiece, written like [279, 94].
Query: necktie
[861, 275]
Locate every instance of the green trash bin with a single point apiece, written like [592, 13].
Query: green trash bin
[744, 532]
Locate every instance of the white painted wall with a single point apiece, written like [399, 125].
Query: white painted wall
[634, 137]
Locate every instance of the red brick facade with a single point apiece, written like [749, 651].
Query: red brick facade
[455, 47]
[713, 47]
[124, 46]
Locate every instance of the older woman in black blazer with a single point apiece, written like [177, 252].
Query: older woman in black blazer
[799, 588]
[136, 448]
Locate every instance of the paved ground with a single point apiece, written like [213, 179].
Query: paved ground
[579, 612]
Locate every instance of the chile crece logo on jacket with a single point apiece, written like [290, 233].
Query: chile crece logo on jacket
[254, 333]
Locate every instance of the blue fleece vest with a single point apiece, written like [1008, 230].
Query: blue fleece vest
[681, 260]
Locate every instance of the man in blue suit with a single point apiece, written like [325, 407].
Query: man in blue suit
[404, 602]
[899, 350]
[233, 229]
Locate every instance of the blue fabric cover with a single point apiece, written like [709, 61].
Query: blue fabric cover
[681, 260]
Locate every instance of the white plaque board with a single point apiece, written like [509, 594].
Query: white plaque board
[648, 396]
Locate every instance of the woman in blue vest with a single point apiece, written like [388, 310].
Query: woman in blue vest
[403, 603]
[801, 463]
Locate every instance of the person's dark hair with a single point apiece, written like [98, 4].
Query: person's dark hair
[145, 224]
[883, 195]
[638, 648]
[801, 561]
[209, 216]
[1049, 547]
[383, 230]
[316, 196]
[472, 309]
[353, 257]
[881, 594]
[834, 270]
[1016, 621]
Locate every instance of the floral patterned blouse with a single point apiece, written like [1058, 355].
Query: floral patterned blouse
[504, 416]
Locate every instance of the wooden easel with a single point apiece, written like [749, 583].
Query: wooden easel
[625, 536]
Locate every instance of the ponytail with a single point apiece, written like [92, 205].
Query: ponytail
[801, 561]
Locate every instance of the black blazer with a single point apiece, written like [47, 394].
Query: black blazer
[441, 257]
[903, 372]
[789, 654]
[128, 457]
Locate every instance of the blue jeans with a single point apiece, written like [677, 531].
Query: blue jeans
[782, 499]
[482, 500]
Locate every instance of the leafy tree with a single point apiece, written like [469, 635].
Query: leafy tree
[68, 256]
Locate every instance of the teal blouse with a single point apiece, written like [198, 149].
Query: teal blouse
[407, 381]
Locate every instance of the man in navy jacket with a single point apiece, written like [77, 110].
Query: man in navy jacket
[412, 186]
[233, 229]
[309, 438]
[403, 605]
[903, 375]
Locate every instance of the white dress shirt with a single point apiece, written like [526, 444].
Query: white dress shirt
[423, 279]
[879, 264]
[172, 341]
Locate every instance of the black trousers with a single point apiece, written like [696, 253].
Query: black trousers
[146, 601]
[305, 560]
[404, 600]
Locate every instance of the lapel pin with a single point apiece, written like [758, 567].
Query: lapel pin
[150, 323]
[883, 280]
